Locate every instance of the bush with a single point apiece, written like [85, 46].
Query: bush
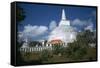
[45, 54]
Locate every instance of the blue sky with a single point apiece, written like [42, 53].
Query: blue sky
[43, 15]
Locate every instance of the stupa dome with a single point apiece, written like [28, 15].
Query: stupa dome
[64, 31]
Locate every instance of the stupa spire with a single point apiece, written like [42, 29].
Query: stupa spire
[64, 21]
[63, 15]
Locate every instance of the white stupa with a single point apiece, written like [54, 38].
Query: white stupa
[64, 31]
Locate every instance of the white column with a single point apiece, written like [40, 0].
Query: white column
[46, 44]
[24, 49]
[30, 49]
[39, 49]
[35, 49]
[51, 45]
[42, 43]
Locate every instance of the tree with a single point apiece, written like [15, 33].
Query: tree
[57, 49]
[79, 49]
[76, 50]
[86, 36]
[20, 14]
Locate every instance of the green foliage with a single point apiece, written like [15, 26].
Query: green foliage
[86, 37]
[20, 14]
[75, 51]
[45, 54]
[80, 49]
[57, 49]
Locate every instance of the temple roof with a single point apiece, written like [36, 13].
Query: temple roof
[56, 41]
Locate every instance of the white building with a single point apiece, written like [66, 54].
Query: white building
[64, 31]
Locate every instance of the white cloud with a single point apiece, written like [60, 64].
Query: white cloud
[84, 24]
[89, 27]
[79, 22]
[33, 31]
[52, 25]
